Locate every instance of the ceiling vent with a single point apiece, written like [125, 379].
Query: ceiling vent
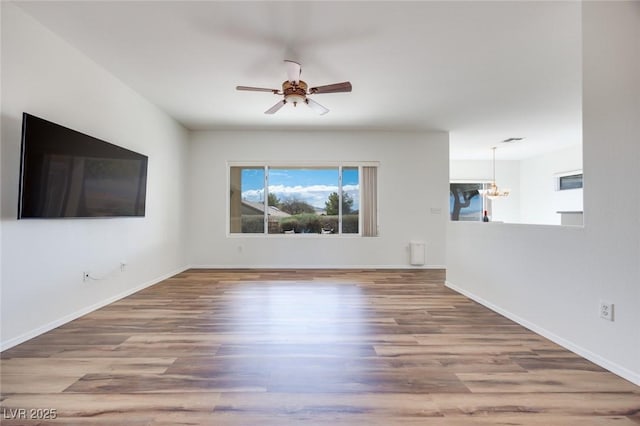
[512, 140]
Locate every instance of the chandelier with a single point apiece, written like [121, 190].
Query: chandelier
[493, 192]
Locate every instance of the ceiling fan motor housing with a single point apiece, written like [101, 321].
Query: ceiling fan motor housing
[294, 92]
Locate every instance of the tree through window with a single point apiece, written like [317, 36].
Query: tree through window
[466, 202]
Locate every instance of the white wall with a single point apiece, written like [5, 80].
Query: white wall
[43, 260]
[552, 278]
[412, 179]
[507, 177]
[540, 201]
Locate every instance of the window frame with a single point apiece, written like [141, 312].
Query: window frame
[297, 165]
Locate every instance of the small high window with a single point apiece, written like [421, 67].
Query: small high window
[573, 181]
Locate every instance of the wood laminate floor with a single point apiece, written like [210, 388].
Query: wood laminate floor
[317, 347]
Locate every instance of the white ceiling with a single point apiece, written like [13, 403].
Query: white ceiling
[485, 71]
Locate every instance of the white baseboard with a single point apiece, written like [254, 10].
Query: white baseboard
[4, 345]
[615, 368]
[294, 267]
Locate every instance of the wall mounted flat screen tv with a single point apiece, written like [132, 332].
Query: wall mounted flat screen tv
[65, 173]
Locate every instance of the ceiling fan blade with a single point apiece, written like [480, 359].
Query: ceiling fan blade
[276, 107]
[293, 71]
[332, 88]
[256, 89]
[316, 106]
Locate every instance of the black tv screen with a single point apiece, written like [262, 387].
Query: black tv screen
[65, 173]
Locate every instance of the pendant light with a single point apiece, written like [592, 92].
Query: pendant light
[493, 192]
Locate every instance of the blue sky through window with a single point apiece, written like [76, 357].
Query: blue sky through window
[310, 185]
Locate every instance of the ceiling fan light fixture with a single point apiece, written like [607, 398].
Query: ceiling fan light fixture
[295, 92]
[295, 99]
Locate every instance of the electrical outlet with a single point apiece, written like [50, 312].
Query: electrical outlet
[123, 266]
[86, 276]
[606, 310]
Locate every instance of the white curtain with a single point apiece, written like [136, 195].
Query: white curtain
[369, 201]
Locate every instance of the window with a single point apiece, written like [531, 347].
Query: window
[323, 200]
[571, 181]
[304, 200]
[466, 202]
[247, 200]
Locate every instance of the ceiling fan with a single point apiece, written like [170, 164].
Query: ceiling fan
[295, 91]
